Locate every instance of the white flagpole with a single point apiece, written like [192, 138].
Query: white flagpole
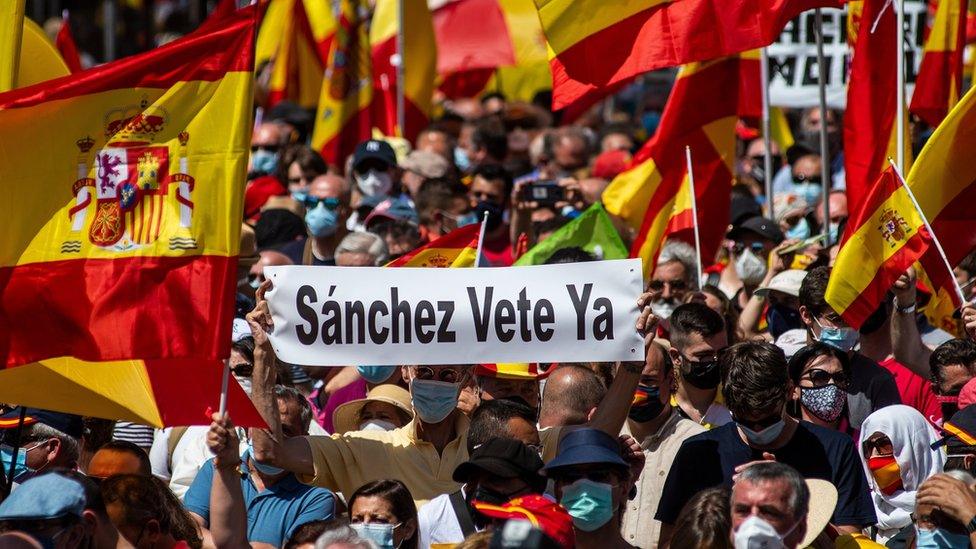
[825, 177]
[767, 138]
[694, 213]
[899, 7]
[481, 240]
[401, 103]
[224, 381]
[928, 227]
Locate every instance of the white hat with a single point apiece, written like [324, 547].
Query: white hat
[787, 282]
[792, 341]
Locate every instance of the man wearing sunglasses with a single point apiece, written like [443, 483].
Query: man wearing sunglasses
[266, 142]
[755, 389]
[326, 212]
[673, 277]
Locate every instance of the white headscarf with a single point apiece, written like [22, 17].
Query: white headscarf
[911, 438]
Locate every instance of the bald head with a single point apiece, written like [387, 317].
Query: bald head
[269, 134]
[330, 186]
[269, 258]
[571, 393]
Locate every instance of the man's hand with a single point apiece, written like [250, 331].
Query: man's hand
[468, 400]
[904, 288]
[633, 454]
[223, 442]
[647, 321]
[777, 262]
[738, 470]
[260, 319]
[969, 319]
[953, 497]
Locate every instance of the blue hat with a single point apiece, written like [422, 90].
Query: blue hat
[68, 424]
[586, 447]
[398, 209]
[44, 497]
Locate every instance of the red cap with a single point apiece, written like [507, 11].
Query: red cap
[610, 164]
[540, 511]
[259, 191]
[967, 395]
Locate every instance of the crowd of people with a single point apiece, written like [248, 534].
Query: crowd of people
[759, 417]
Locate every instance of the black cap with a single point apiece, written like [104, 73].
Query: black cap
[68, 424]
[800, 149]
[742, 208]
[960, 431]
[765, 228]
[504, 458]
[374, 149]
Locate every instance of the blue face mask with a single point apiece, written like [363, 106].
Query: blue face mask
[800, 231]
[833, 232]
[764, 437]
[589, 503]
[782, 319]
[811, 192]
[263, 162]
[941, 539]
[843, 339]
[322, 221]
[461, 159]
[380, 534]
[299, 196]
[376, 374]
[20, 461]
[434, 400]
[269, 470]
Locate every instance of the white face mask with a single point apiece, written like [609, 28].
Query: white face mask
[663, 309]
[750, 268]
[375, 183]
[376, 425]
[756, 533]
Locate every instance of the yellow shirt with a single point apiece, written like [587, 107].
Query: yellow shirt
[345, 462]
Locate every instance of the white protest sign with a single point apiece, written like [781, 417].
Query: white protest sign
[339, 316]
[793, 57]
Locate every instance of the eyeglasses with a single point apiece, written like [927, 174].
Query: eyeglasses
[800, 179]
[311, 202]
[675, 285]
[447, 375]
[740, 247]
[366, 165]
[243, 369]
[821, 378]
[265, 147]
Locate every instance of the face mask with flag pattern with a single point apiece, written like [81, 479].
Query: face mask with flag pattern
[886, 473]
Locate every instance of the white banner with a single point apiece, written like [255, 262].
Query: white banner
[793, 58]
[340, 316]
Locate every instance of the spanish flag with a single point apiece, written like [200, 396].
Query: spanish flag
[123, 191]
[647, 195]
[455, 249]
[888, 235]
[939, 82]
[343, 119]
[597, 46]
[295, 37]
[419, 60]
[65, 43]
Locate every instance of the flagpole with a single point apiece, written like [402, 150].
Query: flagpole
[767, 138]
[825, 173]
[900, 113]
[694, 213]
[481, 240]
[224, 382]
[928, 227]
[401, 115]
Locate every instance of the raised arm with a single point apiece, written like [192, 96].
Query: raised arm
[906, 342]
[293, 454]
[228, 516]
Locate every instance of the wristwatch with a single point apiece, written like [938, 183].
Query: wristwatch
[971, 525]
[903, 310]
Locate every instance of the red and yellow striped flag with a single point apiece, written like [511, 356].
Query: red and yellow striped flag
[343, 119]
[939, 82]
[66, 45]
[647, 195]
[596, 46]
[419, 61]
[122, 203]
[295, 37]
[455, 249]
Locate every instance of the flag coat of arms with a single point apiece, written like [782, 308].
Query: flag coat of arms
[122, 203]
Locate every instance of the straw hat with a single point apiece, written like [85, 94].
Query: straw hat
[823, 500]
[249, 246]
[345, 418]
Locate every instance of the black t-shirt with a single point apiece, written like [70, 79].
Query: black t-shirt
[709, 459]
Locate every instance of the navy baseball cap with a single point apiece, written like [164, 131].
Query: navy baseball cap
[68, 424]
[374, 149]
[44, 497]
[586, 447]
[765, 228]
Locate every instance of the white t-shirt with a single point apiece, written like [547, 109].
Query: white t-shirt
[438, 523]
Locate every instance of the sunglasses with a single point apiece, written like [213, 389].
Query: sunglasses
[881, 444]
[739, 247]
[676, 285]
[311, 202]
[269, 148]
[821, 378]
[447, 375]
[800, 179]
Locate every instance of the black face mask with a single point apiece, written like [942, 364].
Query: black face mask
[703, 375]
[494, 211]
[485, 495]
[647, 405]
[782, 319]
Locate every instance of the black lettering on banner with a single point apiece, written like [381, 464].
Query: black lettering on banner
[504, 315]
[480, 315]
[423, 320]
[524, 307]
[332, 325]
[378, 335]
[307, 336]
[544, 314]
[605, 319]
[580, 303]
[444, 334]
[355, 310]
[397, 309]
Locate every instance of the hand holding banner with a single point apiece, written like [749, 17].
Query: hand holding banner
[338, 316]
